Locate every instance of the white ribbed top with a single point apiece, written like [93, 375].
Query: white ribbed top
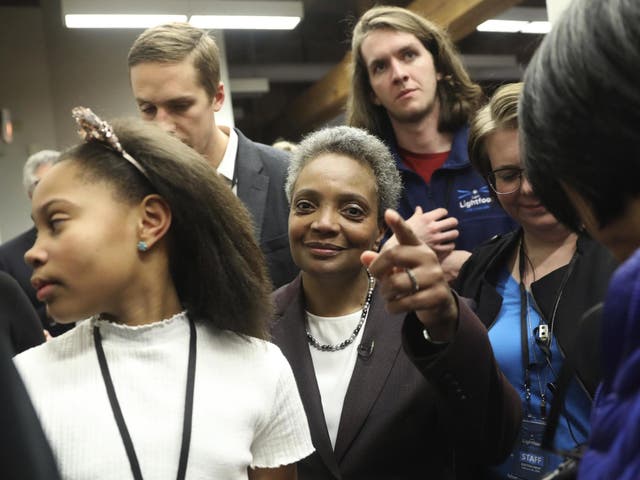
[334, 369]
[247, 411]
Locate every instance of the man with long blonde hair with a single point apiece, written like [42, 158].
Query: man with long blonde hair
[409, 88]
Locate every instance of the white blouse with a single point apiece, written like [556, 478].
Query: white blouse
[247, 410]
[334, 369]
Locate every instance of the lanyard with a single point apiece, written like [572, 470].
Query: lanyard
[524, 331]
[117, 412]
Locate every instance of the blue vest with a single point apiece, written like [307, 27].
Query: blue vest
[457, 187]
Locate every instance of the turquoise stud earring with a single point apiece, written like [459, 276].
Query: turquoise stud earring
[142, 246]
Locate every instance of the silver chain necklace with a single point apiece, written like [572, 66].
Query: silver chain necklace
[365, 311]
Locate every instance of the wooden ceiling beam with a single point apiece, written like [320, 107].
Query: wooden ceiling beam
[326, 98]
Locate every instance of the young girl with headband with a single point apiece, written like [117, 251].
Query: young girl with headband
[170, 376]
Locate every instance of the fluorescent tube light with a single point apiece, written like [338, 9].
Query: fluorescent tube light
[514, 26]
[506, 26]
[537, 27]
[119, 21]
[246, 22]
[213, 14]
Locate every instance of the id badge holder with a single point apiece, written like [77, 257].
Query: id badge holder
[528, 461]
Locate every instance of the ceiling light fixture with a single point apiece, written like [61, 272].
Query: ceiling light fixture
[219, 15]
[244, 22]
[119, 20]
[514, 26]
[518, 19]
[248, 15]
[506, 26]
[537, 27]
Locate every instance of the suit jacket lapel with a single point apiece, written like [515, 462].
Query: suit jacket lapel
[289, 334]
[252, 183]
[369, 374]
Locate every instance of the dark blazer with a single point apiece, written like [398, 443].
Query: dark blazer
[25, 452]
[19, 322]
[12, 262]
[261, 172]
[585, 287]
[399, 420]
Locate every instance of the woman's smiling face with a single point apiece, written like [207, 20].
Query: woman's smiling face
[334, 215]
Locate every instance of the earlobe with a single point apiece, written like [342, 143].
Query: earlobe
[155, 220]
[378, 242]
[218, 99]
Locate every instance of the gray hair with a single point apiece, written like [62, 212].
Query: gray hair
[357, 144]
[35, 161]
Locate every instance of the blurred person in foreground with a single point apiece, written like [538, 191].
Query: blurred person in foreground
[579, 114]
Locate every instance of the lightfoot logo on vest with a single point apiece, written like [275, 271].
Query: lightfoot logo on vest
[474, 200]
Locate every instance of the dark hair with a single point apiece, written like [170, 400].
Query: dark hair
[458, 95]
[580, 110]
[216, 265]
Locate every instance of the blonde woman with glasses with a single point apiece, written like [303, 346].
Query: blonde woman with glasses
[531, 288]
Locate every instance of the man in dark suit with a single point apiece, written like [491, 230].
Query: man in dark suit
[12, 251]
[174, 71]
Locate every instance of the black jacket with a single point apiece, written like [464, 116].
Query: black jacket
[585, 288]
[261, 173]
[19, 323]
[25, 453]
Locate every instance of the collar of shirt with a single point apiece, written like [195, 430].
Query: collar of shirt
[228, 164]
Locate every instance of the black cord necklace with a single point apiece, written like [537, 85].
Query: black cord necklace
[524, 332]
[117, 411]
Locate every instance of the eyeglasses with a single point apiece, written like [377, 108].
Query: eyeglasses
[506, 180]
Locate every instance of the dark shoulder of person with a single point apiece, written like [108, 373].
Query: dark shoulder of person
[274, 157]
[25, 453]
[474, 269]
[19, 322]
[587, 356]
[270, 156]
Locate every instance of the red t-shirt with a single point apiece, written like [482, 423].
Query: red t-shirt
[424, 164]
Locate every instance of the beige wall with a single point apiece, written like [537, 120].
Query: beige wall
[47, 70]
[25, 90]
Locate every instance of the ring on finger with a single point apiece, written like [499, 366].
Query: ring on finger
[412, 278]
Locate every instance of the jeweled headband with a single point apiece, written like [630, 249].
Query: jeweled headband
[92, 128]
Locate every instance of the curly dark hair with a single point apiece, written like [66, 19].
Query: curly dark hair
[580, 111]
[216, 265]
